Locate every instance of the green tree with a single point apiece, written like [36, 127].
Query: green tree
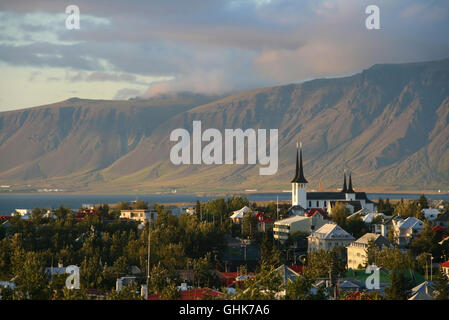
[170, 292]
[440, 287]
[339, 214]
[129, 292]
[31, 281]
[141, 204]
[399, 286]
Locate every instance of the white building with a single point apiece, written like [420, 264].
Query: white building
[406, 230]
[237, 216]
[328, 237]
[430, 214]
[357, 250]
[306, 224]
[141, 215]
[314, 200]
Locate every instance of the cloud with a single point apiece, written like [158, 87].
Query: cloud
[222, 45]
[127, 93]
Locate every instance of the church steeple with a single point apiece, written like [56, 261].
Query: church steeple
[350, 190]
[299, 174]
[345, 188]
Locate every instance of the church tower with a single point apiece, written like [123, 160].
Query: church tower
[299, 192]
[350, 193]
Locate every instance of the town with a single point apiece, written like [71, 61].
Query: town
[324, 245]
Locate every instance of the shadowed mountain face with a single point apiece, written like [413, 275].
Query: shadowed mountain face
[387, 124]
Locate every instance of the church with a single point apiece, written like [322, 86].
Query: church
[303, 201]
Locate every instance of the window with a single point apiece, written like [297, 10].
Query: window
[310, 204]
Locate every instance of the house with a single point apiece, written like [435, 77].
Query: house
[25, 214]
[385, 225]
[286, 273]
[237, 216]
[141, 215]
[328, 237]
[406, 230]
[357, 256]
[314, 200]
[423, 291]
[263, 222]
[306, 224]
[445, 268]
[430, 214]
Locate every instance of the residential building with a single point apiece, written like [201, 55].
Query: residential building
[312, 220]
[141, 215]
[237, 216]
[406, 230]
[430, 213]
[357, 256]
[328, 237]
[445, 268]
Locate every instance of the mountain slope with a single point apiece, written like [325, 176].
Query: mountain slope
[388, 124]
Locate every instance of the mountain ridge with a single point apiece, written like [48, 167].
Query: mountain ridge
[387, 124]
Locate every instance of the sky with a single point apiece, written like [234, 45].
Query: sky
[133, 48]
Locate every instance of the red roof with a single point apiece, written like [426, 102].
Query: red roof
[438, 229]
[297, 268]
[262, 218]
[313, 212]
[193, 294]
[445, 264]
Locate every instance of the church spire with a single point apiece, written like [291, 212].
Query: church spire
[299, 175]
[350, 190]
[345, 189]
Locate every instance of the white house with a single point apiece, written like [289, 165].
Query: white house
[306, 224]
[430, 214]
[328, 237]
[237, 216]
[141, 215]
[405, 230]
[357, 250]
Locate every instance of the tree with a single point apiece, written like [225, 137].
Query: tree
[356, 227]
[249, 224]
[264, 286]
[141, 204]
[170, 292]
[440, 287]
[301, 289]
[158, 278]
[32, 282]
[339, 214]
[372, 251]
[422, 201]
[399, 286]
[323, 263]
[129, 292]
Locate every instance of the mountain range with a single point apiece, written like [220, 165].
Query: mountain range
[388, 125]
